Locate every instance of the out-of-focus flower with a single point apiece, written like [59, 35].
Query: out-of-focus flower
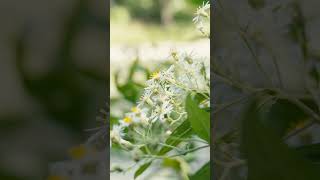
[78, 152]
[116, 133]
[160, 109]
[126, 121]
[202, 17]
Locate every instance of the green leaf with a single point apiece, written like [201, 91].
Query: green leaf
[281, 116]
[136, 67]
[268, 157]
[171, 163]
[198, 118]
[142, 169]
[182, 131]
[130, 89]
[311, 152]
[203, 173]
[179, 165]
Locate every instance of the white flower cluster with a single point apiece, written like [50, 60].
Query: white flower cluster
[202, 19]
[161, 107]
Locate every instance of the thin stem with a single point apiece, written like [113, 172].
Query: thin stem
[167, 145]
[242, 35]
[254, 55]
[227, 105]
[175, 155]
[304, 107]
[275, 62]
[184, 139]
[297, 131]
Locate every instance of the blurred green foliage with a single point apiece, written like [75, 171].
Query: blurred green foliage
[273, 159]
[152, 21]
[148, 10]
[67, 96]
[131, 90]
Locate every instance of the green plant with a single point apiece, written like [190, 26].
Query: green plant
[172, 113]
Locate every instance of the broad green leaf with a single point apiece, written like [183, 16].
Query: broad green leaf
[311, 152]
[141, 169]
[113, 120]
[135, 67]
[203, 173]
[198, 118]
[172, 163]
[281, 116]
[130, 89]
[268, 157]
[182, 131]
[179, 165]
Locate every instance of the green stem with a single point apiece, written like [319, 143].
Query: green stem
[175, 155]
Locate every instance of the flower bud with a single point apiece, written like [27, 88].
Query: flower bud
[168, 132]
[117, 169]
[126, 144]
[148, 100]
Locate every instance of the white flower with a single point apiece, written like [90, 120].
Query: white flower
[162, 112]
[168, 132]
[202, 11]
[127, 120]
[144, 119]
[126, 144]
[202, 15]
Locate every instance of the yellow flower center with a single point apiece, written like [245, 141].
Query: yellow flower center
[127, 120]
[78, 152]
[174, 54]
[155, 75]
[135, 110]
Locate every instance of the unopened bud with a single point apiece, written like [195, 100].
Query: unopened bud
[126, 144]
[117, 169]
[168, 132]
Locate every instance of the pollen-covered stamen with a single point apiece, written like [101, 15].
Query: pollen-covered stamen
[174, 54]
[127, 120]
[155, 75]
[135, 110]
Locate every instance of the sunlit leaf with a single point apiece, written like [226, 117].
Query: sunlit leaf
[182, 131]
[142, 169]
[198, 118]
[203, 173]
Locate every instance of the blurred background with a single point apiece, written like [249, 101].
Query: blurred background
[143, 33]
[148, 30]
[54, 59]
